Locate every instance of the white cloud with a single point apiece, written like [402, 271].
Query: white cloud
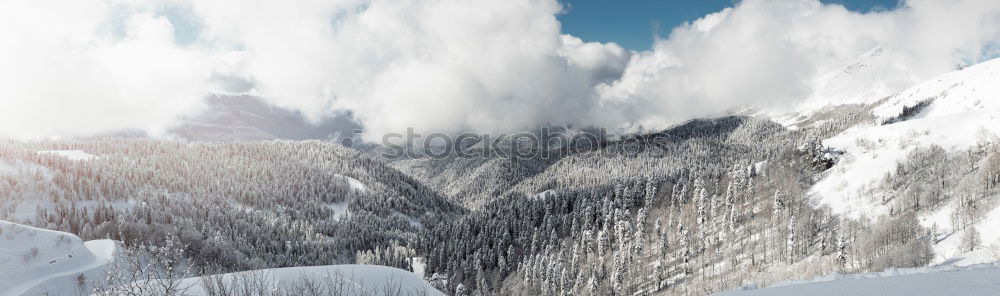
[65, 70]
[449, 65]
[773, 53]
[444, 65]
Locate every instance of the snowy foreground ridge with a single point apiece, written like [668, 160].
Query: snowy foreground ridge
[982, 279]
[36, 261]
[354, 279]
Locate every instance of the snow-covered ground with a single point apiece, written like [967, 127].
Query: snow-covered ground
[357, 279]
[71, 154]
[965, 110]
[354, 184]
[34, 261]
[341, 208]
[983, 279]
[947, 251]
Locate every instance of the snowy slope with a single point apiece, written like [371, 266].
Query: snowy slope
[946, 250]
[354, 184]
[946, 280]
[34, 260]
[964, 107]
[973, 89]
[358, 279]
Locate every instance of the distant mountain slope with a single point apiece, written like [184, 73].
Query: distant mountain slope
[473, 181]
[477, 180]
[239, 206]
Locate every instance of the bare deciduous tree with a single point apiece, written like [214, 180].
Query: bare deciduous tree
[146, 270]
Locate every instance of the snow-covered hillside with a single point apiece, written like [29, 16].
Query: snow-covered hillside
[962, 108]
[34, 261]
[948, 280]
[948, 248]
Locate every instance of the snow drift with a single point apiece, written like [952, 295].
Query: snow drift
[946, 280]
[34, 261]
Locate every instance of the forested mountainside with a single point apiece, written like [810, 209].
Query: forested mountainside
[235, 206]
[713, 205]
[700, 207]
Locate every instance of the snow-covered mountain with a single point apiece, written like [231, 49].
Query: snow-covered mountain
[955, 111]
[925, 149]
[958, 112]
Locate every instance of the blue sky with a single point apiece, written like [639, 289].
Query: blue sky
[632, 23]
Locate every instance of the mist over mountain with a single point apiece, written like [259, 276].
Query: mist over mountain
[249, 118]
